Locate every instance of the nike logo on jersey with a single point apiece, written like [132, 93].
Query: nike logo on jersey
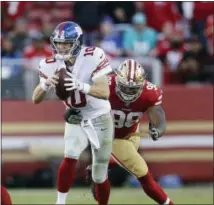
[102, 129]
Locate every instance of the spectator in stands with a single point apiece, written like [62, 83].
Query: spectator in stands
[158, 13]
[88, 15]
[15, 9]
[165, 41]
[39, 48]
[140, 39]
[196, 13]
[193, 67]
[7, 23]
[12, 76]
[188, 71]
[8, 49]
[120, 11]
[19, 36]
[169, 49]
[12, 11]
[47, 29]
[195, 48]
[34, 53]
[175, 53]
[109, 40]
[209, 33]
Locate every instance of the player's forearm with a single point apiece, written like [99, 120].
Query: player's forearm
[38, 95]
[99, 88]
[157, 117]
[161, 126]
[99, 91]
[160, 123]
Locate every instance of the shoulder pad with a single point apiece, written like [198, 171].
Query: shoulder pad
[153, 93]
[48, 66]
[93, 52]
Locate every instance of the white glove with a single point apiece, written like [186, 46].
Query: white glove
[154, 132]
[74, 83]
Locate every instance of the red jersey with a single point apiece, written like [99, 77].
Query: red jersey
[127, 116]
[202, 10]
[31, 52]
[158, 13]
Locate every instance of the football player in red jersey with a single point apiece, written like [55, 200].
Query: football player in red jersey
[5, 197]
[131, 96]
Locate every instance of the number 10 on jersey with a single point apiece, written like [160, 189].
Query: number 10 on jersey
[76, 99]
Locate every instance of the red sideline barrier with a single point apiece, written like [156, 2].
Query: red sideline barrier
[179, 102]
[189, 111]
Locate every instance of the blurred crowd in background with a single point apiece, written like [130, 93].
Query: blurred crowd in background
[179, 34]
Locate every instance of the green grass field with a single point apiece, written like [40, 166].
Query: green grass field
[190, 195]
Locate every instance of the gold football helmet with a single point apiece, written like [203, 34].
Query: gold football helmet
[130, 77]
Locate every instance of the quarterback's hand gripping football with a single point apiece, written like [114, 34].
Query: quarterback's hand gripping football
[73, 83]
[154, 132]
[50, 82]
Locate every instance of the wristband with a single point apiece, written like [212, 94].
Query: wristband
[86, 88]
[44, 87]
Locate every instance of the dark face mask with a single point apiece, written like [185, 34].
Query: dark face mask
[176, 44]
[129, 90]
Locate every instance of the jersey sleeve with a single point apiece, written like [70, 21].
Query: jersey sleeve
[154, 93]
[102, 64]
[111, 81]
[48, 67]
[42, 75]
[157, 96]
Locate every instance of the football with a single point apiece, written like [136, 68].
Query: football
[60, 88]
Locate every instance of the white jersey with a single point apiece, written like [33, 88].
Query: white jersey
[90, 64]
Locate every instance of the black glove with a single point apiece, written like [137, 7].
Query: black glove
[72, 116]
[154, 132]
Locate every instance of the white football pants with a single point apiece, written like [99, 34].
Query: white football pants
[76, 141]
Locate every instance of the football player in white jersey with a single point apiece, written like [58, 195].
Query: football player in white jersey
[90, 120]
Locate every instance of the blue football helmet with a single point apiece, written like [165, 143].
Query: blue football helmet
[68, 33]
